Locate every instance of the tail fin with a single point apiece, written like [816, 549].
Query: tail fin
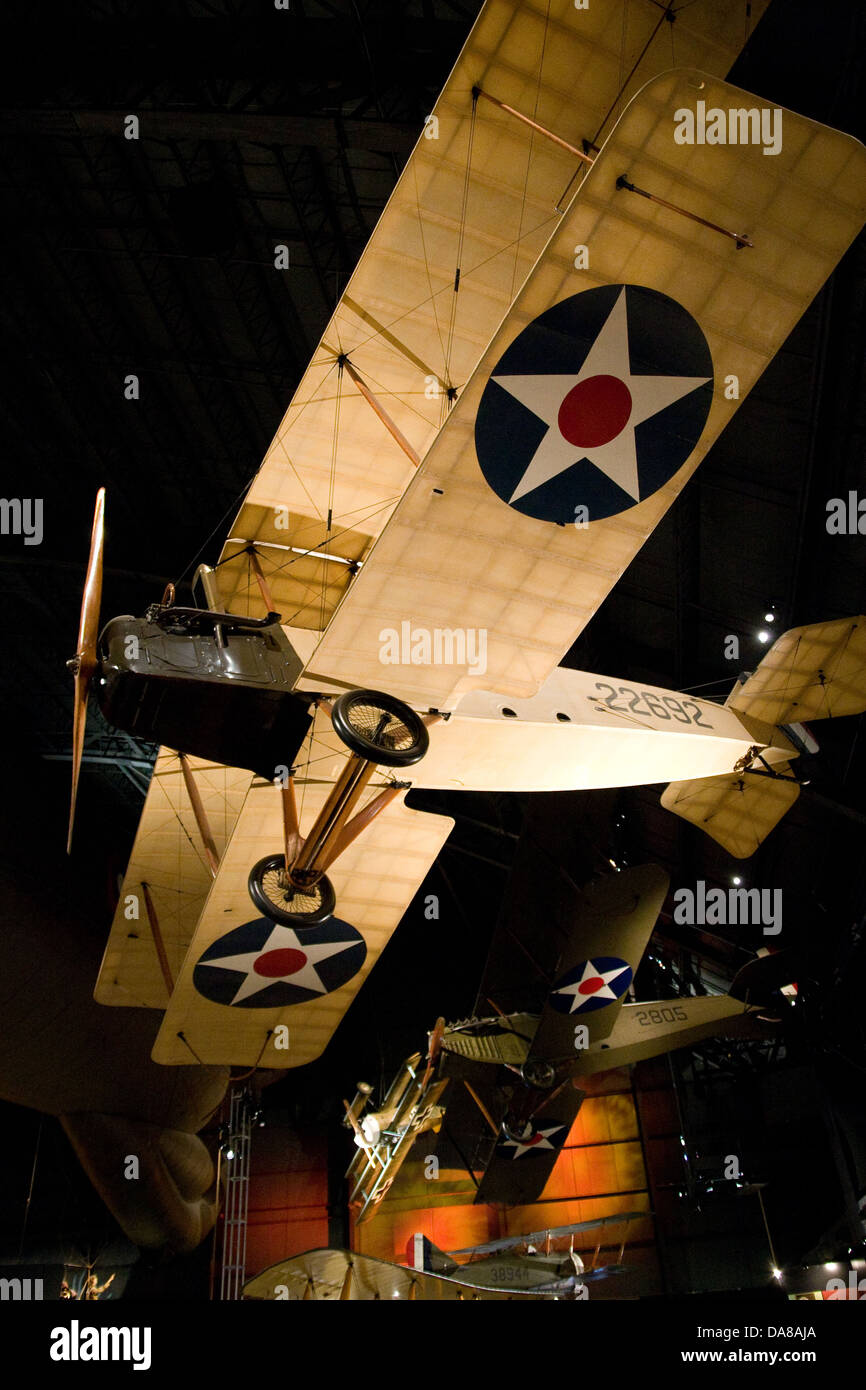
[424, 1255]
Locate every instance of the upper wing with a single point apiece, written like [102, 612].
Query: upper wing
[244, 975]
[490, 1247]
[334, 473]
[167, 880]
[456, 554]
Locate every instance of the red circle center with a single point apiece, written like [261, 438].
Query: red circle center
[594, 411]
[273, 964]
[591, 986]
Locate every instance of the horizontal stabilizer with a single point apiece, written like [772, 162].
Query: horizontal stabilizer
[737, 810]
[814, 672]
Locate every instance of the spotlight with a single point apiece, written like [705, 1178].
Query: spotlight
[777, 1273]
[230, 1153]
[769, 617]
[763, 635]
[736, 880]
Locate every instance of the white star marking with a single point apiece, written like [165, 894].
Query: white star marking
[590, 973]
[540, 1141]
[281, 939]
[544, 395]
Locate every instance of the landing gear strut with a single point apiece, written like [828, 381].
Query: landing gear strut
[379, 730]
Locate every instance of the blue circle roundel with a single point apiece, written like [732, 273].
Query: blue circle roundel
[590, 985]
[266, 965]
[595, 405]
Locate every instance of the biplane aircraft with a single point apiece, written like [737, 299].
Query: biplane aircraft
[513, 1079]
[556, 316]
[543, 1264]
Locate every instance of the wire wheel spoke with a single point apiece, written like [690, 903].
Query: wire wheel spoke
[380, 727]
[277, 897]
[288, 896]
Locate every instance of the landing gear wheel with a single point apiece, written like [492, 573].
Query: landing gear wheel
[518, 1131]
[538, 1074]
[380, 728]
[280, 900]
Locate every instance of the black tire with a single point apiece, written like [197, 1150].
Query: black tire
[518, 1131]
[380, 728]
[282, 901]
[538, 1073]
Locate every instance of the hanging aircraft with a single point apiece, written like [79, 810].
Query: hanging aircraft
[518, 1262]
[514, 1078]
[555, 318]
[411, 1107]
[512, 1267]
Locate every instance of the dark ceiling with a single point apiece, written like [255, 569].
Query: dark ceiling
[155, 258]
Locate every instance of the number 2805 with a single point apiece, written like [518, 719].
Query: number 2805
[669, 1014]
[646, 703]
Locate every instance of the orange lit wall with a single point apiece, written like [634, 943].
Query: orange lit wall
[288, 1196]
[600, 1172]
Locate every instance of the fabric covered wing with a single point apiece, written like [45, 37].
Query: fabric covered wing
[457, 553]
[168, 857]
[518, 1171]
[333, 473]
[244, 976]
[336, 1274]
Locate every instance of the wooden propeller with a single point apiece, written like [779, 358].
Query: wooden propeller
[85, 661]
[433, 1051]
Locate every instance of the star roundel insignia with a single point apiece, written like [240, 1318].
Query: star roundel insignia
[265, 965]
[590, 985]
[516, 1148]
[597, 403]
